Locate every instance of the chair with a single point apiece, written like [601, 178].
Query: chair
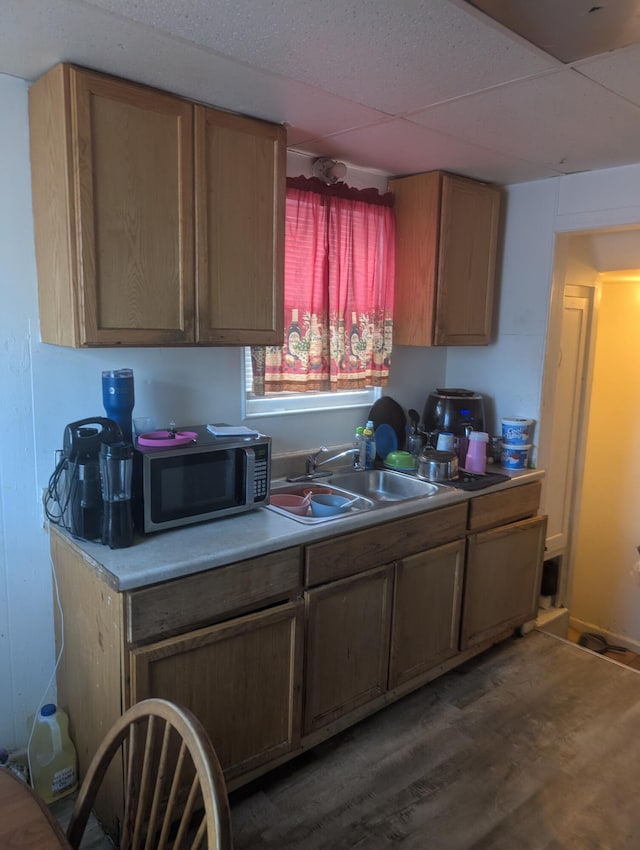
[171, 771]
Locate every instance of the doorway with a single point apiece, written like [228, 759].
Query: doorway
[591, 393]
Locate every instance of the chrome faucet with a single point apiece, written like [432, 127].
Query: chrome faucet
[313, 463]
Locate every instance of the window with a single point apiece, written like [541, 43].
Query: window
[339, 278]
[271, 404]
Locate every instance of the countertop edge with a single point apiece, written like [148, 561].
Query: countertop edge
[180, 552]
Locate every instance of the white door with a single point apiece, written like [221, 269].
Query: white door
[563, 456]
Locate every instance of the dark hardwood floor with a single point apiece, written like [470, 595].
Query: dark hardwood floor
[532, 746]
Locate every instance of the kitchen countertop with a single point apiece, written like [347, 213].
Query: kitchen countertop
[173, 554]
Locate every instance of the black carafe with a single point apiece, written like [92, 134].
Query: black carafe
[85, 498]
[116, 465]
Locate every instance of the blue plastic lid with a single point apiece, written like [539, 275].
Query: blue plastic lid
[48, 709]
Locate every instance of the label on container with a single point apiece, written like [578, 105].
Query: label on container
[63, 780]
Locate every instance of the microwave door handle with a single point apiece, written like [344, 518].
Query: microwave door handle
[249, 473]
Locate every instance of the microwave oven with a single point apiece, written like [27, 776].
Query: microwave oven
[202, 479]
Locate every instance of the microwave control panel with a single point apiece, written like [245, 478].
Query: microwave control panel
[261, 473]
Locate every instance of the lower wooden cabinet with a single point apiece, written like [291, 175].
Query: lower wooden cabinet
[241, 678]
[426, 611]
[271, 654]
[347, 651]
[379, 629]
[502, 582]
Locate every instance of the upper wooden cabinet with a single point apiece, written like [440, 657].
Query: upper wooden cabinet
[446, 241]
[240, 188]
[115, 195]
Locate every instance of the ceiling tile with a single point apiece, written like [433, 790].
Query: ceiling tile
[619, 71]
[501, 109]
[561, 119]
[400, 147]
[393, 57]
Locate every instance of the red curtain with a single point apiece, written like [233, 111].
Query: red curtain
[339, 282]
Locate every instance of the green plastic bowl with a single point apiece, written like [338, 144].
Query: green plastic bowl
[400, 460]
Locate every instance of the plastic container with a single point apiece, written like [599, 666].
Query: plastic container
[358, 442]
[290, 502]
[515, 457]
[330, 505]
[516, 432]
[400, 460]
[52, 756]
[476, 459]
[445, 442]
[368, 455]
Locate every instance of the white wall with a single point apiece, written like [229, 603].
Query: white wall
[42, 387]
[509, 371]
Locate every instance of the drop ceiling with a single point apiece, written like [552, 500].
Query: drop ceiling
[395, 86]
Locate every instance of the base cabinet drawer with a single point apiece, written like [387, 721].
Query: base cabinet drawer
[339, 557]
[502, 581]
[494, 509]
[241, 678]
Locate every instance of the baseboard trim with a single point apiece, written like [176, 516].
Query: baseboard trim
[610, 637]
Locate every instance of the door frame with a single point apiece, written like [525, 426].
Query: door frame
[563, 282]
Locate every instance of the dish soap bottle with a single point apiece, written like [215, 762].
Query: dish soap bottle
[369, 446]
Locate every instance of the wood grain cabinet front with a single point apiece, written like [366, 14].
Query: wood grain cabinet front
[241, 678]
[392, 613]
[505, 552]
[240, 169]
[426, 611]
[502, 582]
[347, 651]
[118, 175]
[446, 244]
[226, 643]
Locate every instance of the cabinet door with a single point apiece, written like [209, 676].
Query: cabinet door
[446, 240]
[417, 213]
[466, 262]
[240, 678]
[502, 582]
[240, 192]
[347, 653]
[133, 159]
[426, 611]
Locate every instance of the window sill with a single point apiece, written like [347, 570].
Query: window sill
[288, 403]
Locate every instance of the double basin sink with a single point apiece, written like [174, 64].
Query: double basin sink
[373, 488]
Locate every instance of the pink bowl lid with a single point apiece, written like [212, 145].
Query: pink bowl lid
[164, 440]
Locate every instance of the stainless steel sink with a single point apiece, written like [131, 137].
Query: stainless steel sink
[375, 487]
[384, 485]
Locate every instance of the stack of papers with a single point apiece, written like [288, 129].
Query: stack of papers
[232, 431]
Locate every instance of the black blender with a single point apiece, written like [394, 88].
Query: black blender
[116, 466]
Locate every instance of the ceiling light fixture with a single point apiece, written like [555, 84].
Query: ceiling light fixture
[328, 170]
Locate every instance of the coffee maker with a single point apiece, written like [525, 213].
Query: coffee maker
[92, 483]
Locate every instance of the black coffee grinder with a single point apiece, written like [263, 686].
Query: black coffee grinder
[94, 501]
